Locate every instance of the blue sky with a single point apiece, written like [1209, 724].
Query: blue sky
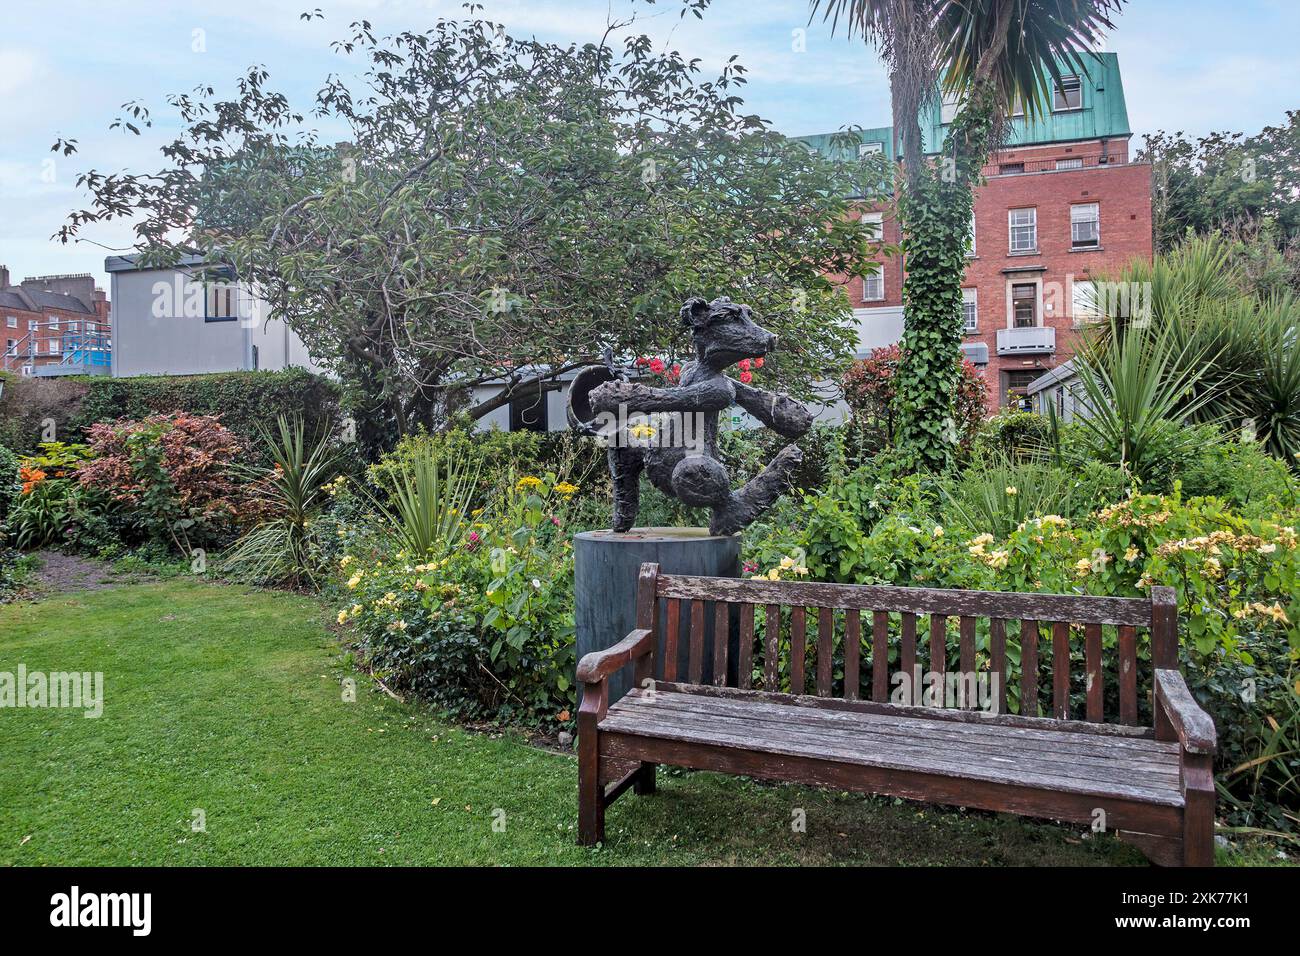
[66, 67]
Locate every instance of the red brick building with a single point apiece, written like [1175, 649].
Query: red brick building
[1061, 206]
[54, 325]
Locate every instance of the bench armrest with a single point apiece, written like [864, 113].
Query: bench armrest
[598, 665]
[1193, 725]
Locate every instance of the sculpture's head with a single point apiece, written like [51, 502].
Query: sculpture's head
[725, 332]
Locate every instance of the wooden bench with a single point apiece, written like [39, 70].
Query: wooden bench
[1146, 774]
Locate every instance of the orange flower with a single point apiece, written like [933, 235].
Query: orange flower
[31, 477]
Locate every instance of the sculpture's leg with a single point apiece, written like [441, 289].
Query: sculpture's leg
[743, 506]
[625, 466]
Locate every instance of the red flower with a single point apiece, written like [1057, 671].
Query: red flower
[758, 362]
[743, 365]
[746, 377]
[657, 366]
[642, 361]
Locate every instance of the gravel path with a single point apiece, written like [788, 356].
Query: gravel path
[61, 573]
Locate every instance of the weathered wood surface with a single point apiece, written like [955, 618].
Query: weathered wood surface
[1154, 783]
[1192, 726]
[869, 597]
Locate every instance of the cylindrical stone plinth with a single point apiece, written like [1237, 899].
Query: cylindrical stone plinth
[605, 569]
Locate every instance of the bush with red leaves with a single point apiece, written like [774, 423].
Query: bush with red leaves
[868, 387]
[172, 475]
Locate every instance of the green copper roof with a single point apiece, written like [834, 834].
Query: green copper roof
[1102, 112]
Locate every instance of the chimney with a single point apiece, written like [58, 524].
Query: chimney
[4, 277]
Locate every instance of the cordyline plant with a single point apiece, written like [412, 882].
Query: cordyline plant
[989, 54]
[501, 210]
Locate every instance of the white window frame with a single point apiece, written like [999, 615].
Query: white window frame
[53, 346]
[32, 325]
[54, 324]
[1061, 95]
[948, 106]
[1012, 282]
[11, 321]
[1031, 225]
[879, 280]
[1075, 162]
[1083, 301]
[971, 322]
[1076, 221]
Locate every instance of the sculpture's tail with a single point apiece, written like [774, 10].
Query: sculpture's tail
[757, 494]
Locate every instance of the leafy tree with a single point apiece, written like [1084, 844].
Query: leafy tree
[1225, 181]
[501, 210]
[989, 53]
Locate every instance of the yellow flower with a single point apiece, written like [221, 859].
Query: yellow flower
[566, 489]
[998, 559]
[528, 481]
[787, 563]
[1266, 548]
[343, 616]
[774, 574]
[1082, 567]
[801, 570]
[1011, 490]
[345, 560]
[354, 580]
[938, 531]
[1132, 554]
[1212, 568]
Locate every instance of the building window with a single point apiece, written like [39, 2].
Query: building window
[870, 149]
[11, 321]
[53, 346]
[528, 412]
[873, 285]
[54, 324]
[219, 302]
[877, 222]
[1075, 163]
[1015, 386]
[1006, 169]
[970, 310]
[90, 326]
[11, 347]
[74, 326]
[1024, 305]
[948, 107]
[1068, 94]
[1024, 229]
[1085, 225]
[31, 325]
[1083, 301]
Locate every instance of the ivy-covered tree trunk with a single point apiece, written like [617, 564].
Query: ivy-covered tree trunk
[935, 215]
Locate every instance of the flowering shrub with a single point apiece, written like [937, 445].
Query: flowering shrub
[171, 475]
[487, 628]
[48, 503]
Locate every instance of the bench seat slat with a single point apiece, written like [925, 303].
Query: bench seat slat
[825, 651]
[721, 641]
[798, 648]
[782, 737]
[852, 653]
[745, 663]
[956, 741]
[772, 648]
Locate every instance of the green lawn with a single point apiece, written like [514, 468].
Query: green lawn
[228, 700]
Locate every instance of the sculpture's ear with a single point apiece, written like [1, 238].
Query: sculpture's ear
[695, 313]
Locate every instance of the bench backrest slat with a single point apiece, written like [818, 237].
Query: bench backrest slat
[719, 620]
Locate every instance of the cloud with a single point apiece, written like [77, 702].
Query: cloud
[18, 69]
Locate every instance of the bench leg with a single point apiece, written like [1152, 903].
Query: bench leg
[645, 780]
[1198, 811]
[591, 794]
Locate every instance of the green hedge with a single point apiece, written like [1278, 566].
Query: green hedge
[244, 400]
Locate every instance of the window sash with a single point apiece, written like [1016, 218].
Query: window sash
[1085, 224]
[1024, 306]
[1068, 94]
[1023, 224]
[1075, 163]
[970, 310]
[873, 285]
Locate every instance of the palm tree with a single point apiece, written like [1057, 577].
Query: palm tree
[989, 54]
